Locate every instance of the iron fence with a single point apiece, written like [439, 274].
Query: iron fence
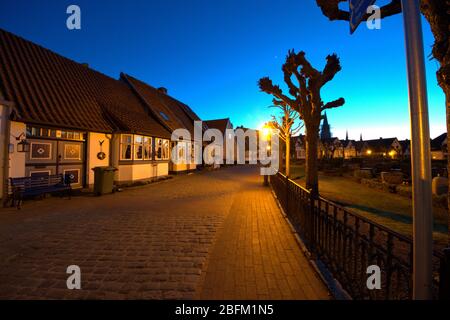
[347, 243]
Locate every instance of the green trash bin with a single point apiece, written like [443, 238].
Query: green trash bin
[103, 180]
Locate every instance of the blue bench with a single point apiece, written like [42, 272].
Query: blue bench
[38, 186]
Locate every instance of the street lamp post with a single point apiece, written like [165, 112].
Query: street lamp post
[266, 177]
[420, 152]
[266, 131]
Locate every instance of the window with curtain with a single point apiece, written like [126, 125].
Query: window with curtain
[138, 147]
[147, 148]
[162, 149]
[126, 147]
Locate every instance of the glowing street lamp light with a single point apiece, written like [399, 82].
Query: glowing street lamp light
[266, 132]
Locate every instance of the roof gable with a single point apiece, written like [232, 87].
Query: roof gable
[170, 112]
[438, 142]
[220, 124]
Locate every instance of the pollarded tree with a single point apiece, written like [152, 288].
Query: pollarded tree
[437, 12]
[285, 124]
[305, 98]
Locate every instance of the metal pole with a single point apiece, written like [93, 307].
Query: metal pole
[420, 152]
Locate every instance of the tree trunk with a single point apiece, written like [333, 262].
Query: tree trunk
[312, 179]
[288, 155]
[447, 110]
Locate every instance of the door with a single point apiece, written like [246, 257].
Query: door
[70, 161]
[51, 156]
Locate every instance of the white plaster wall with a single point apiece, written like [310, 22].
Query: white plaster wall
[92, 149]
[16, 159]
[134, 172]
[163, 169]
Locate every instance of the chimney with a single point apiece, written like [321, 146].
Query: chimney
[162, 90]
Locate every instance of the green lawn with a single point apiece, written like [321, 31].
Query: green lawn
[297, 171]
[388, 209]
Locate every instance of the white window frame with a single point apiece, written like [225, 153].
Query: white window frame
[148, 147]
[163, 141]
[123, 143]
[136, 145]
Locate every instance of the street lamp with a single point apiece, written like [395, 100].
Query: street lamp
[266, 131]
[23, 145]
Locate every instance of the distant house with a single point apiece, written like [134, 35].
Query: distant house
[250, 156]
[350, 150]
[360, 147]
[223, 125]
[439, 147]
[383, 148]
[298, 144]
[331, 148]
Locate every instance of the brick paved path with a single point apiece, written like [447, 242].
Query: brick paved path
[256, 255]
[166, 240]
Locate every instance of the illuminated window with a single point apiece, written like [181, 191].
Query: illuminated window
[162, 149]
[147, 148]
[138, 147]
[45, 132]
[126, 146]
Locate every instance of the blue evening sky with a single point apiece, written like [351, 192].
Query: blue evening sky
[210, 55]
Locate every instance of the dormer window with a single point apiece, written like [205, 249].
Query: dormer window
[165, 116]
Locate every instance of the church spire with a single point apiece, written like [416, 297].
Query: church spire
[325, 132]
[346, 135]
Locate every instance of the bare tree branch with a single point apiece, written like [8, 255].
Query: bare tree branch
[332, 67]
[334, 104]
[266, 85]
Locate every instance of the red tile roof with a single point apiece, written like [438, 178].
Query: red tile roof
[170, 112]
[124, 109]
[49, 89]
[220, 124]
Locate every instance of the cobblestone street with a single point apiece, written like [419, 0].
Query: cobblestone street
[211, 235]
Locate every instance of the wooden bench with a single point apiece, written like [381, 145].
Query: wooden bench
[38, 186]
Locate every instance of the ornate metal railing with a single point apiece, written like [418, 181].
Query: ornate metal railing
[347, 243]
